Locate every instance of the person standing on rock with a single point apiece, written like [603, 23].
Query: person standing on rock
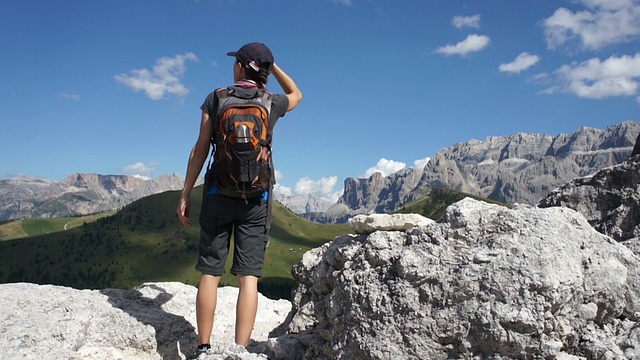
[247, 215]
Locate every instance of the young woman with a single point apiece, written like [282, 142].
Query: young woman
[221, 215]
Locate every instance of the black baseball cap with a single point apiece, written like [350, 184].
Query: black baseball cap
[254, 55]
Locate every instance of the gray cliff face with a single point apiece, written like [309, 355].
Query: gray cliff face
[485, 283]
[380, 194]
[518, 168]
[608, 199]
[522, 168]
[79, 194]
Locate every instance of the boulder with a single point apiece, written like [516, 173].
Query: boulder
[487, 282]
[366, 224]
[609, 199]
[153, 321]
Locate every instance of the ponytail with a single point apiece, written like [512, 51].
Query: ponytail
[261, 76]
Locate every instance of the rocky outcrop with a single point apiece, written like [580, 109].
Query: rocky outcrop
[519, 168]
[79, 194]
[486, 282]
[153, 321]
[608, 199]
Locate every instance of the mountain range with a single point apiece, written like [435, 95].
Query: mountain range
[78, 194]
[519, 168]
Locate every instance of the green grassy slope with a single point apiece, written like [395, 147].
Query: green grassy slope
[31, 227]
[146, 242]
[12, 230]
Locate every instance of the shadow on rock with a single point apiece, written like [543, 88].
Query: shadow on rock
[174, 334]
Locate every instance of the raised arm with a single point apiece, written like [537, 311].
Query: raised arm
[288, 85]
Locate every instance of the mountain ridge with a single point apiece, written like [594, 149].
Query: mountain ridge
[518, 168]
[78, 194]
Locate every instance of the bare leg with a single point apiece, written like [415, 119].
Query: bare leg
[246, 308]
[206, 306]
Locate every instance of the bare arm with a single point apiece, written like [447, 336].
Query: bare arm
[197, 158]
[288, 85]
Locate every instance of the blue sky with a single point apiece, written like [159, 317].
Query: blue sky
[114, 87]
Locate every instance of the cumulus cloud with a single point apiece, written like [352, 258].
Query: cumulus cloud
[165, 77]
[343, 2]
[68, 96]
[602, 23]
[322, 189]
[596, 79]
[471, 44]
[468, 21]
[421, 163]
[386, 167]
[140, 170]
[284, 190]
[521, 63]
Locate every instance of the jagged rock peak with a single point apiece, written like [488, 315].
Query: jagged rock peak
[608, 199]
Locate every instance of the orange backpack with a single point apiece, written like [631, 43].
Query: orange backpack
[242, 143]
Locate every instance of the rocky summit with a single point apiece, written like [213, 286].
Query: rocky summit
[485, 282]
[608, 199]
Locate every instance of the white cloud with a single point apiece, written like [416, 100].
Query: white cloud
[472, 43]
[164, 78]
[322, 189]
[68, 96]
[284, 190]
[596, 79]
[278, 175]
[604, 22]
[470, 21]
[521, 63]
[386, 167]
[140, 170]
[343, 2]
[421, 163]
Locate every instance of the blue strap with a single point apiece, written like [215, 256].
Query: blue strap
[214, 190]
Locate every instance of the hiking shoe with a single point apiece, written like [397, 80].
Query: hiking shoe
[202, 349]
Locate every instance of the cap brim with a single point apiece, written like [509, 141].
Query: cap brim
[232, 53]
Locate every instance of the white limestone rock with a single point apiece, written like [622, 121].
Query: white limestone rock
[153, 321]
[487, 282]
[366, 224]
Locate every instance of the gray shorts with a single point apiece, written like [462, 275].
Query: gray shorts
[220, 217]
